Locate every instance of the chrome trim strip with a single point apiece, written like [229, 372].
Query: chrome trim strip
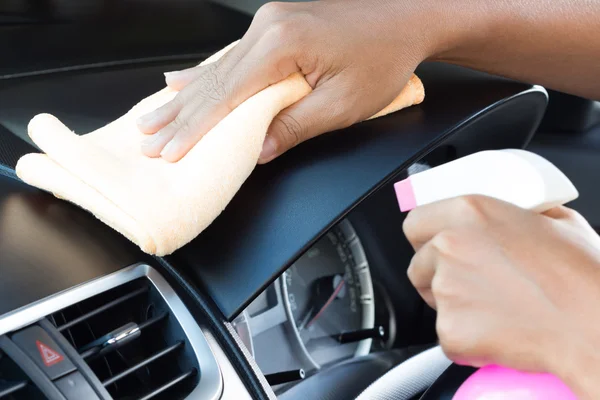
[210, 386]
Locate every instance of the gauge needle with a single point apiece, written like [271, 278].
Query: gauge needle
[337, 290]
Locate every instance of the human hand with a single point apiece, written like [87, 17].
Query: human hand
[510, 286]
[355, 55]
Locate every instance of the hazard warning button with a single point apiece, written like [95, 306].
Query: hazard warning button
[44, 351]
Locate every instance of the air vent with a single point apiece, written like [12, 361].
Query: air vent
[125, 336]
[132, 342]
[14, 384]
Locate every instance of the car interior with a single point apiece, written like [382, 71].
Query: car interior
[298, 290]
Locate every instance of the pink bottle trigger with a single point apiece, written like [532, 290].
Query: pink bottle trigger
[496, 383]
[405, 195]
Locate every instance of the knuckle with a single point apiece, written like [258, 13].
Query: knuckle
[186, 125]
[215, 85]
[211, 84]
[173, 105]
[473, 208]
[410, 271]
[452, 344]
[291, 130]
[282, 31]
[450, 335]
[182, 99]
[179, 123]
[442, 285]
[445, 328]
[192, 123]
[445, 287]
[446, 242]
[271, 10]
[410, 224]
[341, 110]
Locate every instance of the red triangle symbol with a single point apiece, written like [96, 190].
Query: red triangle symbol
[49, 356]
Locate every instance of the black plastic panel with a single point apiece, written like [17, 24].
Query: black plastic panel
[47, 34]
[569, 115]
[84, 100]
[30, 369]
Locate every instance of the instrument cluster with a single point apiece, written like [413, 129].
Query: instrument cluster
[319, 312]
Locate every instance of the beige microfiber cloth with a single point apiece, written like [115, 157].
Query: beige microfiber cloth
[158, 205]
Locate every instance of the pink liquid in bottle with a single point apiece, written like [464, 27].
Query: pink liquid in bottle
[499, 383]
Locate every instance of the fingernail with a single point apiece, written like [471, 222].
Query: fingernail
[168, 148]
[169, 76]
[172, 77]
[269, 149]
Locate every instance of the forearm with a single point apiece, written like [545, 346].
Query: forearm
[554, 43]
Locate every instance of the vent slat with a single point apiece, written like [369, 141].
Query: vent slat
[88, 353]
[142, 364]
[93, 351]
[10, 388]
[152, 321]
[169, 384]
[105, 307]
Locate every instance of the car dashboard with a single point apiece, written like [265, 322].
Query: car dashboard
[298, 290]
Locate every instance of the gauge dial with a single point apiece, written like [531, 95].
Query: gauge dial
[328, 291]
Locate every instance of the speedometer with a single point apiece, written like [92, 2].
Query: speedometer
[328, 291]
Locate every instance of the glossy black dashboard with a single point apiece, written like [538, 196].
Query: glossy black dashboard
[47, 246]
[279, 212]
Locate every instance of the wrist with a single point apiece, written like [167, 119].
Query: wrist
[461, 28]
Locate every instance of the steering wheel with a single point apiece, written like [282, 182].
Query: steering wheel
[430, 372]
[446, 386]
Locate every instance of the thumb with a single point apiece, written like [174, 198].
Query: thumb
[325, 109]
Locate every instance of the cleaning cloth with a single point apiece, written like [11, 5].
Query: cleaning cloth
[158, 205]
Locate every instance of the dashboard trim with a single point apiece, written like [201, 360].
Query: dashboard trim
[210, 386]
